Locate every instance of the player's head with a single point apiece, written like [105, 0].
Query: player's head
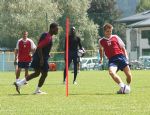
[72, 31]
[107, 28]
[53, 28]
[25, 34]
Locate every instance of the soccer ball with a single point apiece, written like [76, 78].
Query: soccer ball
[81, 52]
[126, 89]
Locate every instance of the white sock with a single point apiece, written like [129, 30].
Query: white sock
[121, 84]
[37, 89]
[128, 85]
[17, 80]
[22, 82]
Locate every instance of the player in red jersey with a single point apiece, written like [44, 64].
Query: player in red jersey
[24, 48]
[115, 51]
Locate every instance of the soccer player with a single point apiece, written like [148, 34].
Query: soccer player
[74, 44]
[115, 51]
[40, 59]
[23, 51]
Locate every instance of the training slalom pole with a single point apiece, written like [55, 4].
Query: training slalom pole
[67, 45]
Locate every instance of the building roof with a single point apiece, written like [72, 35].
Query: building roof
[135, 18]
[143, 23]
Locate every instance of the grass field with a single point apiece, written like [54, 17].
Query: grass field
[95, 94]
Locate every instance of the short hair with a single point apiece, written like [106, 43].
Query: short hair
[107, 26]
[24, 31]
[53, 25]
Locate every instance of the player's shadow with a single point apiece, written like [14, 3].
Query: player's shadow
[17, 94]
[53, 84]
[76, 94]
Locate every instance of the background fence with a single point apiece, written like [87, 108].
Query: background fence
[57, 58]
[7, 59]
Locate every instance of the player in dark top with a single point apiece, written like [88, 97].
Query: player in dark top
[74, 44]
[40, 59]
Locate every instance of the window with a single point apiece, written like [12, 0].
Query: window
[146, 52]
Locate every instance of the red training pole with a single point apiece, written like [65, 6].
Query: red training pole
[67, 45]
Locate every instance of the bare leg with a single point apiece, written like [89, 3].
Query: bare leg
[113, 74]
[127, 72]
[26, 72]
[42, 79]
[40, 83]
[33, 75]
[18, 70]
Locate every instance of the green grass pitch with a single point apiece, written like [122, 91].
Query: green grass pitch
[95, 94]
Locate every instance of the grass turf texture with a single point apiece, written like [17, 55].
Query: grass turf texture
[95, 94]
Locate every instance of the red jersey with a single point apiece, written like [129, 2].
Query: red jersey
[24, 48]
[112, 46]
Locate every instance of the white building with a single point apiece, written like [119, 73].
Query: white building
[137, 34]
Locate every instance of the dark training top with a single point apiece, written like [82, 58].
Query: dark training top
[45, 42]
[74, 43]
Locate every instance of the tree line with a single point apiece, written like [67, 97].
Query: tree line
[34, 16]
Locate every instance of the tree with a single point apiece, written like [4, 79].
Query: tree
[102, 11]
[143, 6]
[76, 10]
[30, 15]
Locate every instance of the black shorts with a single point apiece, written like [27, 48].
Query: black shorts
[36, 64]
[23, 65]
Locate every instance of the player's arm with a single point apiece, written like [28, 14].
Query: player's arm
[125, 52]
[79, 42]
[39, 50]
[42, 43]
[16, 53]
[16, 56]
[101, 51]
[122, 46]
[80, 45]
[33, 47]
